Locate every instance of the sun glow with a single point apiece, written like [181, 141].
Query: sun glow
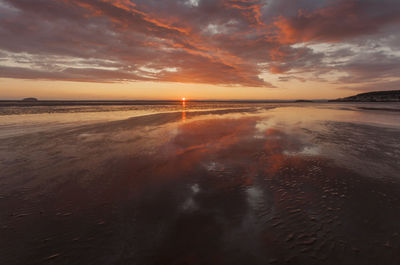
[183, 99]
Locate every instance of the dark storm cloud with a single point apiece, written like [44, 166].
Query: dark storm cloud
[228, 42]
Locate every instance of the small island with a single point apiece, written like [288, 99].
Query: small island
[30, 100]
[303, 101]
[377, 96]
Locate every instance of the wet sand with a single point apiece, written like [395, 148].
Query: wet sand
[295, 184]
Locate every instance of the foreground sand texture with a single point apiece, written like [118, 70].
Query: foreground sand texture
[296, 184]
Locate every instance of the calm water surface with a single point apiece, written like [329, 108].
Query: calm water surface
[201, 184]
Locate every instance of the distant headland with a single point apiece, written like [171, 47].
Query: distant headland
[377, 96]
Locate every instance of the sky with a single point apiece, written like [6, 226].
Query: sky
[198, 49]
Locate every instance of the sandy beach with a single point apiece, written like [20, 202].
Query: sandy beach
[238, 184]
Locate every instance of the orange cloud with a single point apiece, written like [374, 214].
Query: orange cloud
[251, 9]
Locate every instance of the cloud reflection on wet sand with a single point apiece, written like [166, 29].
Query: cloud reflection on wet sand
[227, 188]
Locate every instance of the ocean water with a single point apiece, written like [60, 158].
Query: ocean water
[200, 183]
[17, 120]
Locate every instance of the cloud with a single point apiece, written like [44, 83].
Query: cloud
[342, 20]
[375, 86]
[224, 42]
[70, 74]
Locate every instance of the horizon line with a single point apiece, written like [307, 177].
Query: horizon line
[155, 100]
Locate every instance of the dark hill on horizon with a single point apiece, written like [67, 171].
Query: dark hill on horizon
[377, 96]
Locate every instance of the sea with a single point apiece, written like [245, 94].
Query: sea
[199, 183]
